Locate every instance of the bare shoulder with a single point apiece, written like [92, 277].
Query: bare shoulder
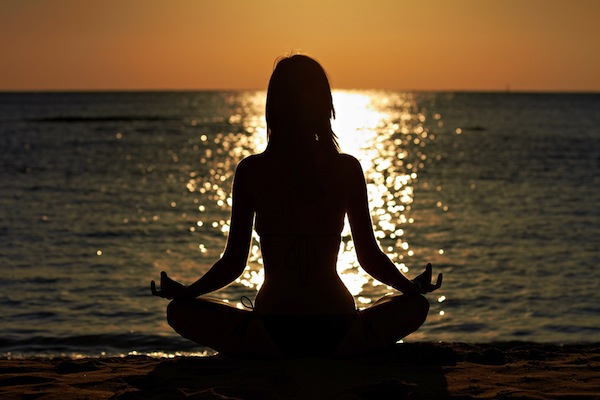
[250, 161]
[349, 164]
[249, 165]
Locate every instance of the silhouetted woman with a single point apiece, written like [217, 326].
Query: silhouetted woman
[297, 193]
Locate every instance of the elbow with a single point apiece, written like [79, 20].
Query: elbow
[375, 263]
[234, 265]
[372, 257]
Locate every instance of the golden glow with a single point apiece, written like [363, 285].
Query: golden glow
[432, 45]
[378, 128]
[385, 131]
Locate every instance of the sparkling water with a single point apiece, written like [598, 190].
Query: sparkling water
[102, 191]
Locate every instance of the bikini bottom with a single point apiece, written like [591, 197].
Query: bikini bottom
[307, 335]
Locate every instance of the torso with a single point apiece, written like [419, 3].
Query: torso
[300, 226]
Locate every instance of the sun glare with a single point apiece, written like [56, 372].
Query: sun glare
[383, 130]
[386, 134]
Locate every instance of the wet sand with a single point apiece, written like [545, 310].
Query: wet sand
[408, 371]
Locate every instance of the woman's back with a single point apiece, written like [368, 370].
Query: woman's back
[300, 208]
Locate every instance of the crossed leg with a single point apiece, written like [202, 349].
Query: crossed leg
[388, 320]
[235, 332]
[221, 326]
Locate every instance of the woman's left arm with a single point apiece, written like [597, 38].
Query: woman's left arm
[233, 262]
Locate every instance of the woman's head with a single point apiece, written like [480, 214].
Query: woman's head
[299, 104]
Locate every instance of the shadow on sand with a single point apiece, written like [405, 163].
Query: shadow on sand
[409, 371]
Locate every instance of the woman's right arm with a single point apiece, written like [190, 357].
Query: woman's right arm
[235, 256]
[370, 256]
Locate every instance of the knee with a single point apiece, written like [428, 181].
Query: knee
[419, 306]
[175, 310]
[422, 304]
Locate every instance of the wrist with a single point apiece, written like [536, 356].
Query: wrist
[186, 293]
[418, 285]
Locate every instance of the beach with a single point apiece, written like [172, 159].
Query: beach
[511, 370]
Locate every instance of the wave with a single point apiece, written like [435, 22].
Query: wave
[98, 345]
[110, 118]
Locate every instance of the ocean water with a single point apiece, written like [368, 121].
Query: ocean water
[102, 191]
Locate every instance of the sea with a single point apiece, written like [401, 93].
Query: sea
[103, 190]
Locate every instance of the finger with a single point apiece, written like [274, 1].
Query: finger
[153, 288]
[164, 280]
[428, 272]
[438, 283]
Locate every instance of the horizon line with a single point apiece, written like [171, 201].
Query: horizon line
[155, 90]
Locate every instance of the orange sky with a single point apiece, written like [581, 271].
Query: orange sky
[548, 45]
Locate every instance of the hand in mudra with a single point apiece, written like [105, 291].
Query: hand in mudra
[169, 288]
[424, 281]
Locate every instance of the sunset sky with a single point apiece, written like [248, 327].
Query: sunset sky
[539, 45]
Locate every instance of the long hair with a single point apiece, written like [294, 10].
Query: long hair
[300, 107]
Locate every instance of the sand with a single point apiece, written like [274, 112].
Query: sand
[409, 371]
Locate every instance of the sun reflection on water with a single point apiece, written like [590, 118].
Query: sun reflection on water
[384, 131]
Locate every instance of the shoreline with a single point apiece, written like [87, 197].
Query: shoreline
[511, 370]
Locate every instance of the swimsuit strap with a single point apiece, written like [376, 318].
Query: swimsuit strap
[247, 302]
